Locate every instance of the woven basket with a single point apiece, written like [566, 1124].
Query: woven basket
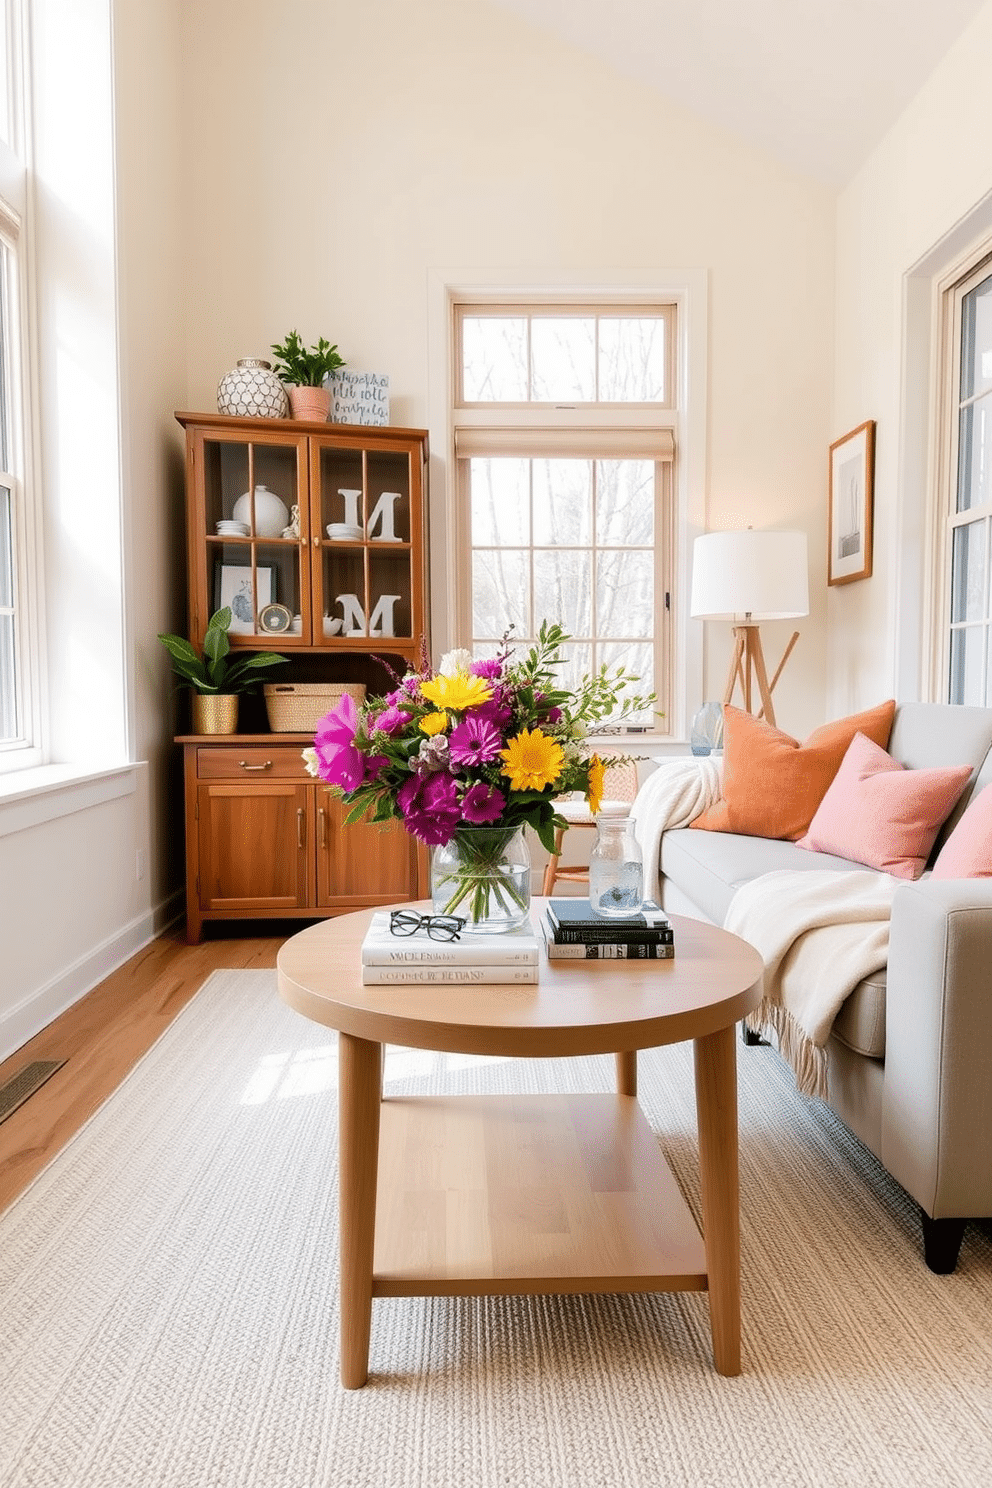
[297, 707]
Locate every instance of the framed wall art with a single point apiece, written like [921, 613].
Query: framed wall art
[852, 480]
[232, 586]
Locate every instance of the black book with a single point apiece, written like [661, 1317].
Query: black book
[574, 922]
[605, 950]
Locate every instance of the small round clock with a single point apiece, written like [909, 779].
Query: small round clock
[275, 619]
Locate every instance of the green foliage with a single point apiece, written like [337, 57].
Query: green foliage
[302, 368]
[214, 672]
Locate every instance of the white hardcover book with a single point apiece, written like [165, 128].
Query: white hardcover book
[423, 975]
[513, 948]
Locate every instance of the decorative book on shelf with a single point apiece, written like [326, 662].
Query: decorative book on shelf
[574, 921]
[389, 959]
[605, 950]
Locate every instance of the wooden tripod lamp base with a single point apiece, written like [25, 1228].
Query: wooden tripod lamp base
[748, 661]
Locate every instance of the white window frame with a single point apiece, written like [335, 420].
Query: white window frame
[687, 290]
[949, 292]
[27, 749]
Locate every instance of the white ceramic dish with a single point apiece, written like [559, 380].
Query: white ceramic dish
[343, 532]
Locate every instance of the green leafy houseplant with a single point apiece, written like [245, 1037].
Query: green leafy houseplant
[305, 368]
[213, 672]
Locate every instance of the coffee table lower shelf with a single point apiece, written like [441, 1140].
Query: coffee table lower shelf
[481, 1195]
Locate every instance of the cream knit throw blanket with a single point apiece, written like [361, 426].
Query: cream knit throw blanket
[680, 789]
[819, 932]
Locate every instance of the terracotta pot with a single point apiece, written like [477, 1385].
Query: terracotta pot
[215, 712]
[311, 403]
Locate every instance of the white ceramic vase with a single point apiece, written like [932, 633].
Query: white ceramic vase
[271, 512]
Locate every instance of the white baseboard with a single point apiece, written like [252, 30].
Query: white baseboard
[21, 1023]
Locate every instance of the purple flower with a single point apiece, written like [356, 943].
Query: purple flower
[482, 803]
[390, 720]
[430, 807]
[474, 741]
[553, 715]
[496, 711]
[490, 669]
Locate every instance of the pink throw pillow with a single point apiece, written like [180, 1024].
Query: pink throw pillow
[967, 853]
[879, 813]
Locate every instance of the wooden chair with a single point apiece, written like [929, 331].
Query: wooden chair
[619, 784]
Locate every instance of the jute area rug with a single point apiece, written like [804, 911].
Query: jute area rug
[169, 1301]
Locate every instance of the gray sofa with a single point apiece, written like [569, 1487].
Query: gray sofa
[910, 1055]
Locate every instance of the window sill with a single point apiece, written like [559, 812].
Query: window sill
[30, 797]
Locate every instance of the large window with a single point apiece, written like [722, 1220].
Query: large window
[564, 445]
[968, 497]
[17, 724]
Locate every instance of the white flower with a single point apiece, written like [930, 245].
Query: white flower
[455, 663]
[310, 760]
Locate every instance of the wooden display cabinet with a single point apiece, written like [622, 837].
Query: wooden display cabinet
[263, 839]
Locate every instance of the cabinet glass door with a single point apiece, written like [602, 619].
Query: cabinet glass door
[364, 576]
[255, 533]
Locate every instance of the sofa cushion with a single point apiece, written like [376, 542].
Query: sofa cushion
[926, 735]
[881, 814]
[967, 853]
[772, 784]
[709, 867]
[860, 1024]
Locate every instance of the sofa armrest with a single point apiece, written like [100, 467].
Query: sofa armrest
[937, 1100]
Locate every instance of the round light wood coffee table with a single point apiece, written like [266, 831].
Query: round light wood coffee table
[473, 1195]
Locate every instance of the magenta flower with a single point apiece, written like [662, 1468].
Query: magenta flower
[490, 669]
[495, 711]
[339, 761]
[430, 807]
[482, 803]
[391, 720]
[474, 741]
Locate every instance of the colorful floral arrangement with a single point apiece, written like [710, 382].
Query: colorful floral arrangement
[476, 743]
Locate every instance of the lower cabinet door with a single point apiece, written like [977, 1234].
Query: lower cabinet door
[364, 862]
[255, 845]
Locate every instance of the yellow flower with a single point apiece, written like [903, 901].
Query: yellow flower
[594, 788]
[532, 760]
[456, 693]
[433, 723]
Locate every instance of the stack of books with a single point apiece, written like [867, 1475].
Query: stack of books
[390, 960]
[574, 931]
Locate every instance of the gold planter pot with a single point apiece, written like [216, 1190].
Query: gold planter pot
[215, 712]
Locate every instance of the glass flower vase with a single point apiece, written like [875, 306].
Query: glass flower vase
[483, 874]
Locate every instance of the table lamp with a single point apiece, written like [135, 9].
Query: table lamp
[746, 577]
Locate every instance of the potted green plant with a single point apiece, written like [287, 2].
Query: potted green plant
[215, 681]
[303, 371]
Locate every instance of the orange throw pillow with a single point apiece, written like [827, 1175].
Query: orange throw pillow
[772, 784]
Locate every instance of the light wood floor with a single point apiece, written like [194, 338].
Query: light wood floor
[104, 1034]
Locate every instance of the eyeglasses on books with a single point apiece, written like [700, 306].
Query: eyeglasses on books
[438, 927]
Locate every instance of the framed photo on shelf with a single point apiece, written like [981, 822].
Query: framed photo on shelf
[232, 586]
[852, 483]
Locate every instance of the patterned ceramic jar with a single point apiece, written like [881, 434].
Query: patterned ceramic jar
[252, 390]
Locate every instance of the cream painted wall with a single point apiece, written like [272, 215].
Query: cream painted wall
[909, 211]
[338, 155]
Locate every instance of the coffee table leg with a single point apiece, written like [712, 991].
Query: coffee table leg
[627, 1072]
[359, 1095]
[716, 1114]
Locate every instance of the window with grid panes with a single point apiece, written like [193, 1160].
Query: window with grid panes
[968, 542]
[564, 418]
[14, 722]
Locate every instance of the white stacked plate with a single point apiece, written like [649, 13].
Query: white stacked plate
[343, 532]
[228, 528]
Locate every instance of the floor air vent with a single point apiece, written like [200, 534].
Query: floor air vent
[24, 1084]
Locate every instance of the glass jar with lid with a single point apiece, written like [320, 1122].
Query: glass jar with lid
[616, 865]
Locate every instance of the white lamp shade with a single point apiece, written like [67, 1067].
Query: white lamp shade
[757, 575]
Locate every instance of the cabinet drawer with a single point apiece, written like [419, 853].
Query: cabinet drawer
[251, 762]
